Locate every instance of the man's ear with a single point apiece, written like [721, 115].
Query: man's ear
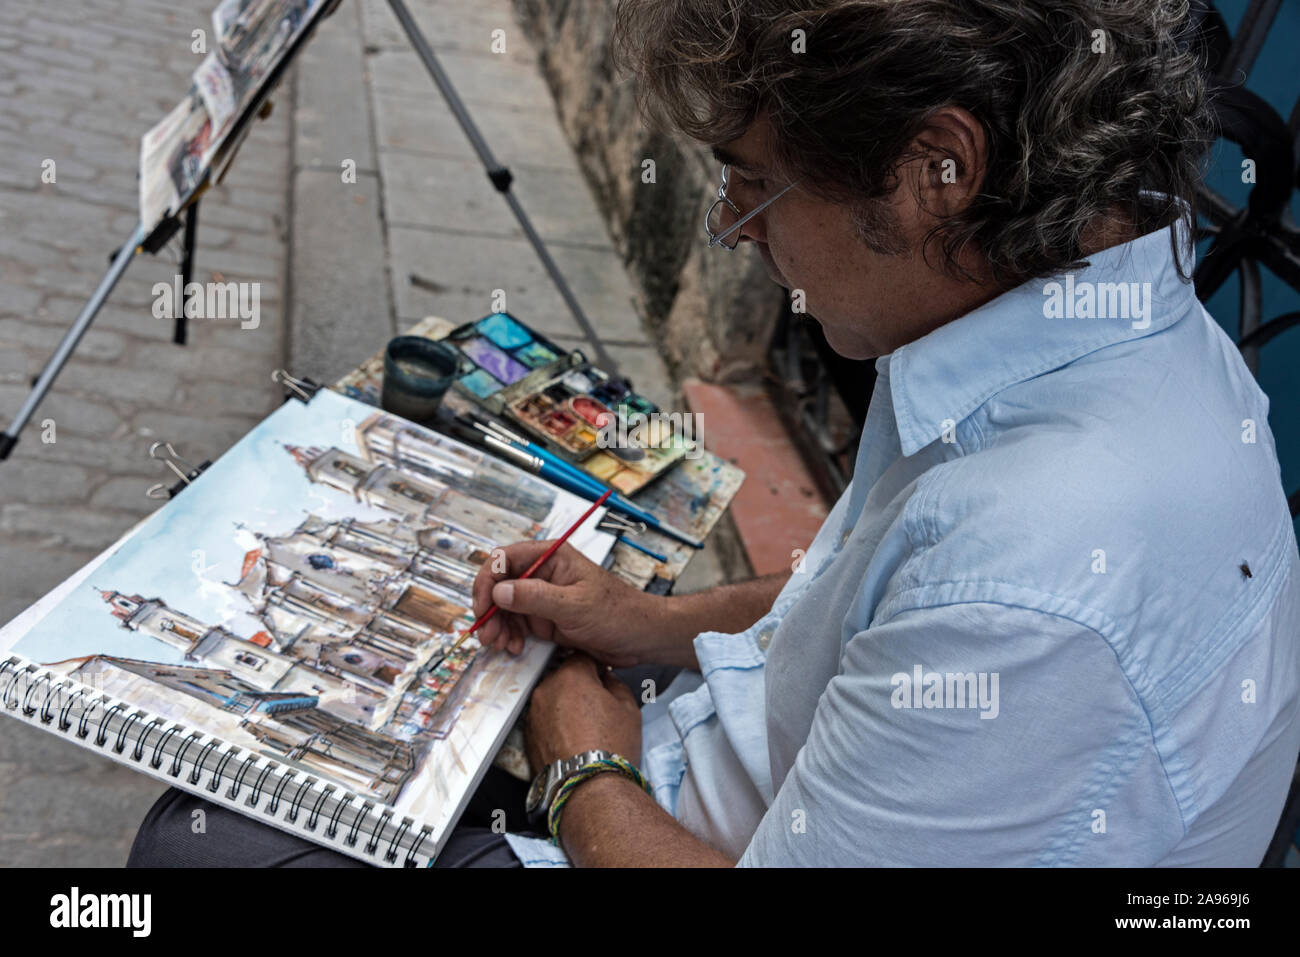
[950, 154]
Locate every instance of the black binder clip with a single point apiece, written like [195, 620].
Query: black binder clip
[295, 388]
[186, 472]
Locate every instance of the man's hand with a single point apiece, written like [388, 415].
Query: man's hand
[609, 821]
[575, 603]
[582, 706]
[569, 600]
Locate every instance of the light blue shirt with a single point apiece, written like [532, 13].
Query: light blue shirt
[1055, 619]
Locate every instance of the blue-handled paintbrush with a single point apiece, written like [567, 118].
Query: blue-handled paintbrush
[569, 477]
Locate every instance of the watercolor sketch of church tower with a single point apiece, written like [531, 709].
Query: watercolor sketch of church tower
[330, 644]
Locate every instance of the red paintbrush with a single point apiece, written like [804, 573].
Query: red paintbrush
[541, 560]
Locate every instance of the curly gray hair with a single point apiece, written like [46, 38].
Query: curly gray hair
[1087, 105]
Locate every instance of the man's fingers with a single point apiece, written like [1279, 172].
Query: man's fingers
[532, 597]
[513, 560]
[489, 630]
[509, 561]
[481, 590]
[526, 606]
[543, 628]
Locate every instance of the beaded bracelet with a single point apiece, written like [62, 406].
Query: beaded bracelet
[614, 762]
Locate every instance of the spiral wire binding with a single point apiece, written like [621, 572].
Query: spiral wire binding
[21, 681]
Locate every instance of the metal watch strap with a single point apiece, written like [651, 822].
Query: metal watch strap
[557, 772]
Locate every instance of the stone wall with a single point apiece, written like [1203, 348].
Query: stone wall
[714, 309]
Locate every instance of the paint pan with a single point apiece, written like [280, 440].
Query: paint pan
[503, 367]
[504, 332]
[481, 383]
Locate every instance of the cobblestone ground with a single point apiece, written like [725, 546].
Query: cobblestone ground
[79, 83]
[342, 266]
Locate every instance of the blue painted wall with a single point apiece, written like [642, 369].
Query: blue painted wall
[1276, 78]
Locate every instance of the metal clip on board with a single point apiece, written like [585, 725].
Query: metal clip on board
[185, 472]
[295, 388]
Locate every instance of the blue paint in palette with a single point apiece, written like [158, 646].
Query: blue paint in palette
[481, 383]
[504, 331]
[504, 351]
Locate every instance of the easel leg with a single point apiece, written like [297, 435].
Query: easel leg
[500, 177]
[187, 270]
[70, 339]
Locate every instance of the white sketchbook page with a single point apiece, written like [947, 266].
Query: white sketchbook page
[491, 695]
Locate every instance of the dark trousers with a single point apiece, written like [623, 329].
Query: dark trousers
[168, 838]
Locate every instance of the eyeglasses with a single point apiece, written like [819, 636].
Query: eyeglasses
[723, 220]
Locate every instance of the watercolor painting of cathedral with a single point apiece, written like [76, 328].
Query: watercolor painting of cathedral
[340, 659]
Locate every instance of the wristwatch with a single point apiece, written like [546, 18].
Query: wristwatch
[544, 786]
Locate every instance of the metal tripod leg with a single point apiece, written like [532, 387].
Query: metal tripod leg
[70, 339]
[500, 177]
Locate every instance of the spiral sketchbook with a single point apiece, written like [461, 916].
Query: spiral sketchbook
[278, 637]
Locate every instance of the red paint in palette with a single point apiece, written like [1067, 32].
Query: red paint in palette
[557, 423]
[589, 410]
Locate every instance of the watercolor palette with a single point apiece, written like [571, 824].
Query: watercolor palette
[691, 495]
[499, 351]
[563, 402]
[578, 408]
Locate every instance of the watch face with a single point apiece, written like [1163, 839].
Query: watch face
[536, 790]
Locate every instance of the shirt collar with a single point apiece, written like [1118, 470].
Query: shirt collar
[939, 379]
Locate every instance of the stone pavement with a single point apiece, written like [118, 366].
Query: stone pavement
[422, 231]
[79, 84]
[451, 241]
[342, 266]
